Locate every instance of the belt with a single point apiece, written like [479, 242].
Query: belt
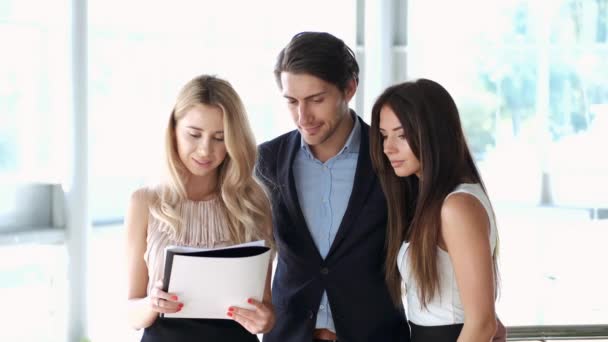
[324, 335]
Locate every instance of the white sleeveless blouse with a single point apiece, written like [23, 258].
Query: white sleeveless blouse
[446, 307]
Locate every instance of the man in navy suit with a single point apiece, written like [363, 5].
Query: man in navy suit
[329, 212]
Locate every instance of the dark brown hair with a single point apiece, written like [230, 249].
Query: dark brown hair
[319, 54]
[432, 128]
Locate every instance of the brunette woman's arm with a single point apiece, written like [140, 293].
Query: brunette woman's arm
[465, 234]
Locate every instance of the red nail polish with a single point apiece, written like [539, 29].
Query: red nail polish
[230, 309]
[250, 301]
[174, 298]
[229, 314]
[180, 306]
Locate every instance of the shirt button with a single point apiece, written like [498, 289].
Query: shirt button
[322, 307]
[324, 271]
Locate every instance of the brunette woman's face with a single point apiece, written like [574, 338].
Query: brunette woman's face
[395, 145]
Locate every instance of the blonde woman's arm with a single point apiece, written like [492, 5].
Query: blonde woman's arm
[142, 310]
[465, 233]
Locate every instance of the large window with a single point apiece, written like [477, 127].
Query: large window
[34, 107]
[139, 61]
[34, 91]
[33, 283]
[529, 78]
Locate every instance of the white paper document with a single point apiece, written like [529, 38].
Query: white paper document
[209, 281]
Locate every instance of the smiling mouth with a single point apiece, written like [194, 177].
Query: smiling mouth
[202, 163]
[311, 130]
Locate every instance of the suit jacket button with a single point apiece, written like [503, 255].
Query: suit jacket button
[311, 314]
[324, 271]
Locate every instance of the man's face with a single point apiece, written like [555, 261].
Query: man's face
[317, 107]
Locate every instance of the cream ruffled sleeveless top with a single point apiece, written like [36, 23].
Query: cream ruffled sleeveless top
[204, 225]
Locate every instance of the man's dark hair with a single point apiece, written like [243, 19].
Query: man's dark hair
[319, 54]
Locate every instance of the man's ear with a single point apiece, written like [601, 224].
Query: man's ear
[351, 88]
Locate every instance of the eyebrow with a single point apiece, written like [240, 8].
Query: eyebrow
[394, 129]
[307, 97]
[202, 130]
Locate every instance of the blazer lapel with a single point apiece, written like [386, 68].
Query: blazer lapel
[286, 156]
[365, 178]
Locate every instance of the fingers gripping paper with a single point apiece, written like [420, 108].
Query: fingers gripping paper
[209, 281]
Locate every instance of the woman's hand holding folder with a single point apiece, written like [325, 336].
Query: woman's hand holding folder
[257, 321]
[163, 302]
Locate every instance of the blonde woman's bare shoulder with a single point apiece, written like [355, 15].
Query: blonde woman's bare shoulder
[144, 196]
[139, 206]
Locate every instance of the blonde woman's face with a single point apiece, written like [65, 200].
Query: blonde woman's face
[200, 140]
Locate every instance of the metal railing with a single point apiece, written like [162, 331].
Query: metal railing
[557, 332]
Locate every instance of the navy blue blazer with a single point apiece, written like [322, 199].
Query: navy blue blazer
[353, 271]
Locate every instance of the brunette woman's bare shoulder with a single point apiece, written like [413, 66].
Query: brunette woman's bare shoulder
[463, 214]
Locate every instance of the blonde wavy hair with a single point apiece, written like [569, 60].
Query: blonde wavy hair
[244, 198]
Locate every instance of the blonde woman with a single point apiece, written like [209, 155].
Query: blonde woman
[211, 199]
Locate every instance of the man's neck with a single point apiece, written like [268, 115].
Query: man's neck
[330, 147]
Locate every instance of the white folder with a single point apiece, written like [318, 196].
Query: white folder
[209, 281]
